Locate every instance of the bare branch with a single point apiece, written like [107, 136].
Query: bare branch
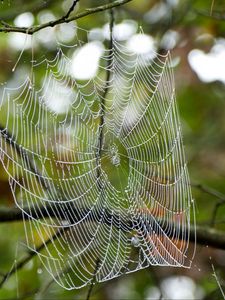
[62, 19]
[213, 15]
[205, 235]
[214, 193]
[209, 190]
[31, 30]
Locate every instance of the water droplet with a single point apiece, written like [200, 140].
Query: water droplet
[135, 241]
[39, 271]
[115, 158]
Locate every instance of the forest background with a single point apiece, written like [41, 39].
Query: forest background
[194, 31]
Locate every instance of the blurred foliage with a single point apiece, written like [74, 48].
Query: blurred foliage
[202, 109]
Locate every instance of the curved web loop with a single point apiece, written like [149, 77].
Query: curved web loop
[103, 185]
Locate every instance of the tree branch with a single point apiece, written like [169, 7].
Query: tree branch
[31, 30]
[205, 235]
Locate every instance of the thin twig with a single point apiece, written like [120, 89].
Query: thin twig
[93, 280]
[60, 20]
[218, 282]
[103, 98]
[108, 74]
[212, 5]
[209, 190]
[90, 11]
[214, 193]
[71, 9]
[30, 255]
[213, 15]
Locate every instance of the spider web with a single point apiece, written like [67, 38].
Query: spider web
[103, 186]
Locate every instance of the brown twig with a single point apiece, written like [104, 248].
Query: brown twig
[31, 30]
[60, 20]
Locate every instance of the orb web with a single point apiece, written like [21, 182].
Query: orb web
[103, 183]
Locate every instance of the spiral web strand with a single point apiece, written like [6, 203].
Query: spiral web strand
[104, 186]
